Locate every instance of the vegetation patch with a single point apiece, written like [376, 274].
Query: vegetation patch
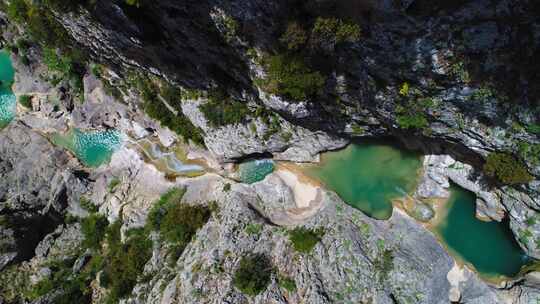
[533, 128]
[221, 110]
[529, 152]
[304, 240]
[113, 184]
[181, 222]
[160, 208]
[254, 229]
[156, 109]
[336, 30]
[506, 169]
[75, 286]
[384, 264]
[124, 262]
[231, 28]
[253, 274]
[60, 52]
[26, 101]
[177, 223]
[286, 283]
[15, 285]
[411, 115]
[88, 205]
[295, 37]
[289, 76]
[93, 228]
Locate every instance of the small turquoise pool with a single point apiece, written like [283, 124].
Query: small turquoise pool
[255, 170]
[92, 148]
[489, 246]
[8, 101]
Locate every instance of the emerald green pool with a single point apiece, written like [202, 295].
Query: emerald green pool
[8, 101]
[489, 246]
[255, 170]
[92, 148]
[368, 176]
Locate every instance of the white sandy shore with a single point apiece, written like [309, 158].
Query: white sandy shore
[306, 194]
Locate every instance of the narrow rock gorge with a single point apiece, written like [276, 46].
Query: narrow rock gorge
[269, 151]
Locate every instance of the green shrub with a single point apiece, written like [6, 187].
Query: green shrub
[533, 128]
[88, 205]
[43, 28]
[231, 26]
[181, 222]
[253, 229]
[290, 77]
[113, 184]
[17, 11]
[409, 120]
[155, 108]
[287, 283]
[93, 228]
[160, 208]
[69, 66]
[253, 274]
[384, 264]
[529, 152]
[221, 110]
[335, 30]
[57, 63]
[75, 287]
[136, 3]
[295, 37]
[304, 240]
[124, 262]
[506, 169]
[23, 45]
[177, 223]
[404, 89]
[411, 115]
[483, 94]
[26, 101]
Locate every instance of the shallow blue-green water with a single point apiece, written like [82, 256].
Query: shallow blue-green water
[92, 148]
[8, 102]
[489, 246]
[255, 170]
[368, 176]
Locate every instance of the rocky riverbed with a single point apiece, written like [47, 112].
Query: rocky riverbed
[406, 54]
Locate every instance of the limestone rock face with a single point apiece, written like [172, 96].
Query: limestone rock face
[291, 142]
[28, 159]
[36, 188]
[346, 265]
[491, 203]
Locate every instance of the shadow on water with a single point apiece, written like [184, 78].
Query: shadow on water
[489, 246]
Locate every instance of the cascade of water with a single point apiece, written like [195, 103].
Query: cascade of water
[155, 153]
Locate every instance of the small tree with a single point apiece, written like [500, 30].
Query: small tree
[506, 169]
[304, 240]
[93, 228]
[294, 37]
[290, 77]
[253, 275]
[334, 31]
